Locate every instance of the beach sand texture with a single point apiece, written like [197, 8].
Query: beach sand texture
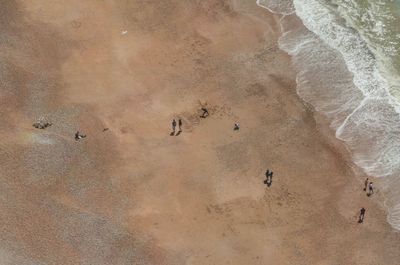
[133, 194]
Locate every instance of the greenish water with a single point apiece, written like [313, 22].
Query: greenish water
[347, 58]
[378, 22]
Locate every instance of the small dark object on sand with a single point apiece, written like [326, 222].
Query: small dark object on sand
[79, 136]
[205, 113]
[105, 129]
[42, 125]
[236, 127]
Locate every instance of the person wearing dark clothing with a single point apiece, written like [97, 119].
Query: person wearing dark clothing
[205, 113]
[268, 175]
[236, 127]
[361, 217]
[173, 125]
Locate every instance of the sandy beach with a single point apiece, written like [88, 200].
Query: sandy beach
[134, 194]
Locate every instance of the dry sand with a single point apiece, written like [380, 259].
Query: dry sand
[136, 195]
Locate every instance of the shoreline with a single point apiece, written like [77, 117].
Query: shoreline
[370, 117]
[324, 121]
[136, 194]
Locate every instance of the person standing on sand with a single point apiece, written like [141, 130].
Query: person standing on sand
[173, 126]
[269, 177]
[361, 217]
[370, 189]
[366, 184]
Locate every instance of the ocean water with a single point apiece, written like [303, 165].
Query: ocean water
[347, 57]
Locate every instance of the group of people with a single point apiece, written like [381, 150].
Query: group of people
[367, 185]
[268, 175]
[42, 125]
[268, 181]
[174, 127]
[204, 114]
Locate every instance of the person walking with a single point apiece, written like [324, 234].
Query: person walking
[267, 174]
[366, 184]
[370, 189]
[361, 216]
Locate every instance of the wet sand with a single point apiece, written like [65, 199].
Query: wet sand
[133, 194]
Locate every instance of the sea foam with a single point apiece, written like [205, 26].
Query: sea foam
[284, 7]
[338, 74]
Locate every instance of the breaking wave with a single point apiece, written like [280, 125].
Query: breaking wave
[339, 73]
